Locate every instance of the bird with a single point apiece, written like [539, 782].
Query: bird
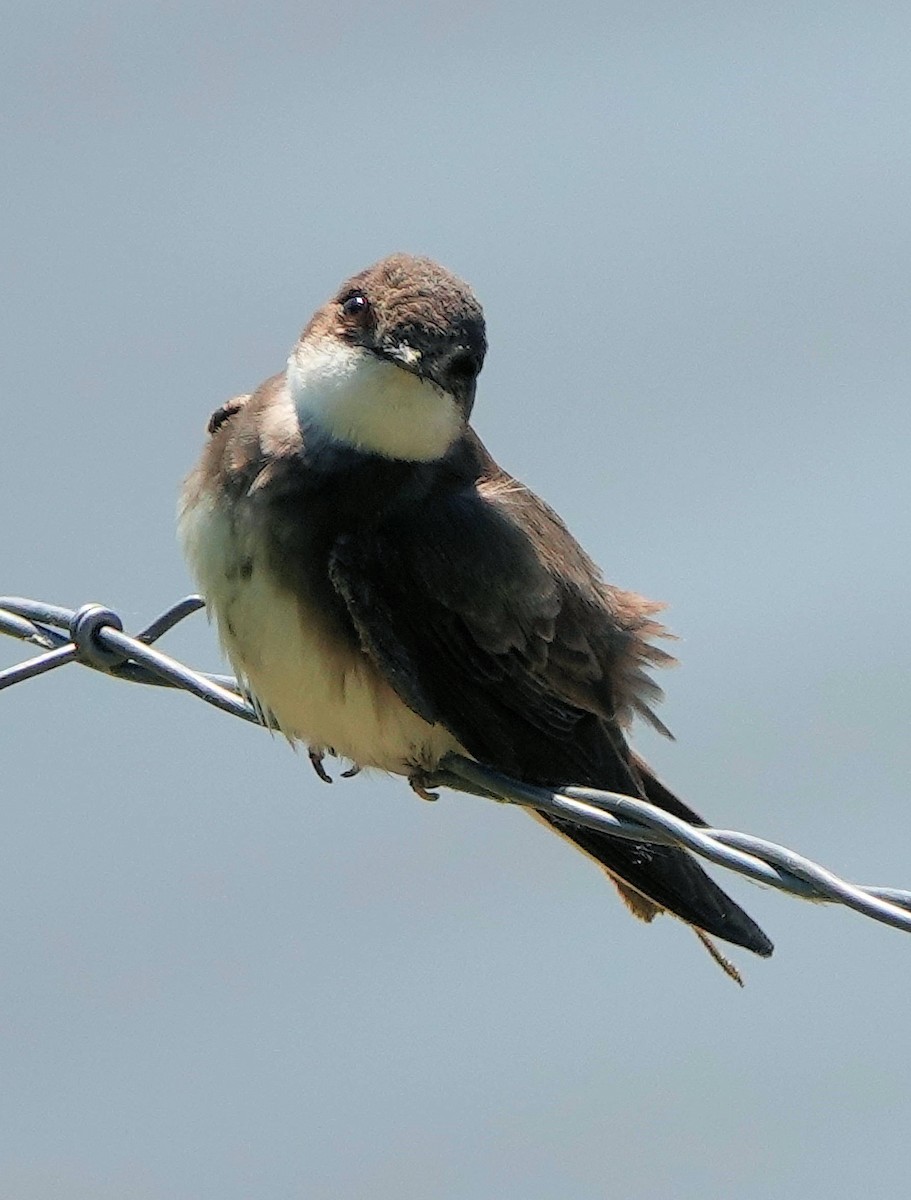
[388, 594]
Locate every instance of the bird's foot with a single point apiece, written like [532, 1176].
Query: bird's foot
[316, 754]
[417, 782]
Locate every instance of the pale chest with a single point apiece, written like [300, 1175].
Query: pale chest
[318, 687]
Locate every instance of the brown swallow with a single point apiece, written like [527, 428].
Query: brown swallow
[384, 589]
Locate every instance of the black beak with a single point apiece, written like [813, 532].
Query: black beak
[453, 367]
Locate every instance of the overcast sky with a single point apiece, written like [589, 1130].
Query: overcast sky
[689, 226]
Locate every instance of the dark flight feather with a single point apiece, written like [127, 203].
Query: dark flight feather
[531, 660]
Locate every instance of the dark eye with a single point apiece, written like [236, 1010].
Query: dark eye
[355, 306]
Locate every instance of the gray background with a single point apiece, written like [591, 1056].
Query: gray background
[689, 227]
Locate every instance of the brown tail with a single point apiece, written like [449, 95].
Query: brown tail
[652, 879]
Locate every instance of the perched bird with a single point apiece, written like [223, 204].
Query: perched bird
[388, 594]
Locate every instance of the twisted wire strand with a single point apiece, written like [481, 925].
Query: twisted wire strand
[93, 636]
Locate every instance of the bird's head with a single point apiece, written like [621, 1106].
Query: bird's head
[390, 363]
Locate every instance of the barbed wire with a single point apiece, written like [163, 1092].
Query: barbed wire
[93, 636]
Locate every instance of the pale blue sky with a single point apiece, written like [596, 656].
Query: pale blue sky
[689, 227]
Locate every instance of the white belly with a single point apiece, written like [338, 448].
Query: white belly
[317, 688]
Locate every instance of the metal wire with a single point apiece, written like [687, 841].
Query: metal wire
[93, 636]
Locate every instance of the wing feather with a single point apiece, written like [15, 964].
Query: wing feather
[486, 616]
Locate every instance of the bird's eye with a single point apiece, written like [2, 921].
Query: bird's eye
[355, 305]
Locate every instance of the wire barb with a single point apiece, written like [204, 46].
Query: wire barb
[93, 636]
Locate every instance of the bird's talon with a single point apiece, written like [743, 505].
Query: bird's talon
[351, 772]
[316, 762]
[416, 783]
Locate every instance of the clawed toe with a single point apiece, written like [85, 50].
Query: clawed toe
[417, 781]
[316, 756]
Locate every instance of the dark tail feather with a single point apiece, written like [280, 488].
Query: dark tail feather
[652, 878]
[665, 878]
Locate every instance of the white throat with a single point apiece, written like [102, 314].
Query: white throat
[355, 398]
